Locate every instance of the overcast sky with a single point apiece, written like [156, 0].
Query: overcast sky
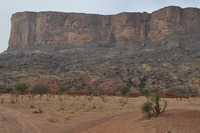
[9, 7]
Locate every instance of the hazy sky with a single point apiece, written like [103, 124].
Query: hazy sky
[9, 7]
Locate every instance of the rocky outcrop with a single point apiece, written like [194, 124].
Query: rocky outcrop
[173, 21]
[31, 28]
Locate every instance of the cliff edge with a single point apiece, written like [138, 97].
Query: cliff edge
[31, 28]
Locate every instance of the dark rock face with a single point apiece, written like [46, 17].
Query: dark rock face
[49, 28]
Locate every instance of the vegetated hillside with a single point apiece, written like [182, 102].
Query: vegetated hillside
[174, 61]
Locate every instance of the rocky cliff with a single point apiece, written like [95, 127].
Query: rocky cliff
[161, 50]
[31, 28]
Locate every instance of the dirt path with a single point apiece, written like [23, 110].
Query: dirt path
[174, 121]
[117, 124]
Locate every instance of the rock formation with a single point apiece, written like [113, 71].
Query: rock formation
[161, 49]
[31, 28]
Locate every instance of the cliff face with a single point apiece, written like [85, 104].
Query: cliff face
[31, 28]
[173, 21]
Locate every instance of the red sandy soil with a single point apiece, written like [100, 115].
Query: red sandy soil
[180, 117]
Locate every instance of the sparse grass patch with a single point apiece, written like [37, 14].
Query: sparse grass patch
[123, 101]
[90, 98]
[51, 119]
[2, 100]
[38, 111]
[104, 99]
[13, 98]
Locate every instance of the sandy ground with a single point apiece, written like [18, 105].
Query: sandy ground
[86, 114]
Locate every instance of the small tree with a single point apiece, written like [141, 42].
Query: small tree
[90, 89]
[2, 87]
[63, 89]
[148, 92]
[40, 89]
[194, 92]
[124, 90]
[21, 87]
[178, 91]
[152, 106]
[8, 89]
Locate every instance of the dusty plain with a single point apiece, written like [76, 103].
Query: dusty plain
[92, 114]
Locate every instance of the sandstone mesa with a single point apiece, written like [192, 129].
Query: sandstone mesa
[31, 28]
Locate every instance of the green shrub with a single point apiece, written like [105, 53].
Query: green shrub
[2, 87]
[90, 89]
[124, 90]
[152, 106]
[147, 107]
[145, 92]
[40, 89]
[63, 88]
[21, 87]
[148, 92]
[8, 89]
[178, 91]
